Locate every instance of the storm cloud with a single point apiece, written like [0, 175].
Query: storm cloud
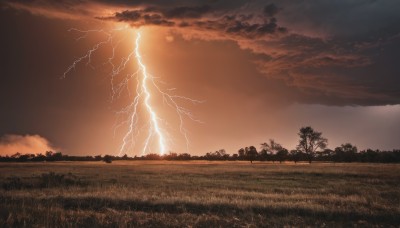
[339, 53]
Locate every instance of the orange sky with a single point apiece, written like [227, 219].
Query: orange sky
[256, 86]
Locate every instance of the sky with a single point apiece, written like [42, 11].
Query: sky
[261, 69]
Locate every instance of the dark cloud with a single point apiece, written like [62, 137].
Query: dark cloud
[187, 12]
[341, 50]
[157, 19]
[240, 25]
[270, 10]
[141, 17]
[127, 15]
[251, 30]
[230, 25]
[160, 16]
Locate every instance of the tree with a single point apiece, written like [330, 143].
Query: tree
[235, 157]
[295, 155]
[184, 156]
[325, 155]
[107, 159]
[346, 152]
[171, 156]
[270, 149]
[251, 153]
[241, 153]
[310, 142]
[223, 155]
[152, 156]
[57, 156]
[282, 155]
[49, 153]
[273, 147]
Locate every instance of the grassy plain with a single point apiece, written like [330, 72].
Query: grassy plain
[198, 194]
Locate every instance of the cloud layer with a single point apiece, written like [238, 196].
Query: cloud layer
[337, 53]
[11, 144]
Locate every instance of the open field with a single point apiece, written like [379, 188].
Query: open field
[198, 194]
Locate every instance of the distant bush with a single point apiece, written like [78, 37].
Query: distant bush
[107, 159]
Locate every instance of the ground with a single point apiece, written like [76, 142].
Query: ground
[198, 194]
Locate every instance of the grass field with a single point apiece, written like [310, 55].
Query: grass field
[198, 194]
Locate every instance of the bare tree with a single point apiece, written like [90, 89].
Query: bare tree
[310, 142]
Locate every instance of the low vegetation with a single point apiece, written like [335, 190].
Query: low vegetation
[198, 194]
[312, 147]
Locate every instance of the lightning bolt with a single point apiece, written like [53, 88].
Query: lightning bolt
[154, 125]
[146, 88]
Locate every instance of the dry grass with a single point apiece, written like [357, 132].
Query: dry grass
[199, 194]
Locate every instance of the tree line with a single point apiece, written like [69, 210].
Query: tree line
[311, 147]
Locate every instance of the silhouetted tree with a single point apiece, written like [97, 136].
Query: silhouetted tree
[49, 153]
[263, 155]
[251, 153]
[310, 142]
[369, 155]
[24, 157]
[57, 156]
[235, 156]
[217, 155]
[39, 157]
[325, 155]
[295, 155]
[171, 156]
[209, 156]
[152, 157]
[223, 155]
[282, 155]
[98, 158]
[184, 156]
[272, 147]
[346, 152]
[269, 150]
[107, 159]
[241, 153]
